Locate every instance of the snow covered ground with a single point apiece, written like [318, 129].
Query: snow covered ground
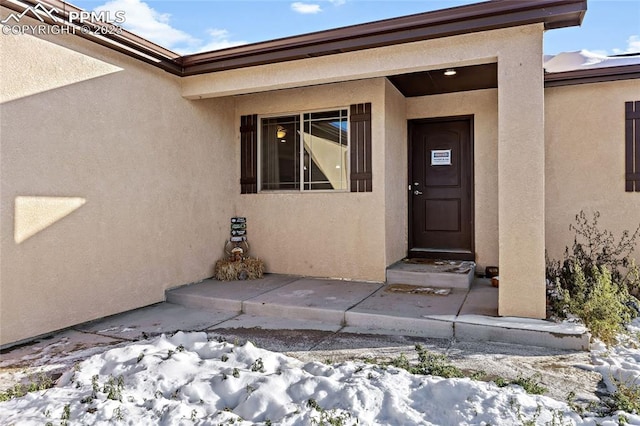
[187, 379]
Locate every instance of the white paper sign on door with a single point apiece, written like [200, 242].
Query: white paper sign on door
[440, 157]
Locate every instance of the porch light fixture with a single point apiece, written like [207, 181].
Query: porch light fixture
[281, 133]
[450, 72]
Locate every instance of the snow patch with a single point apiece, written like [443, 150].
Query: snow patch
[188, 379]
[584, 59]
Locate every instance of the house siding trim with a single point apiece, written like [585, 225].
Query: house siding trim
[249, 154]
[360, 129]
[594, 75]
[632, 146]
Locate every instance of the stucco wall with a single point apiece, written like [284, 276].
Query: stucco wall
[142, 176]
[325, 234]
[585, 148]
[483, 105]
[521, 175]
[395, 154]
[520, 127]
[141, 182]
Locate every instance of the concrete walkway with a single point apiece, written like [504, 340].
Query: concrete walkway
[324, 319]
[306, 340]
[372, 308]
[297, 315]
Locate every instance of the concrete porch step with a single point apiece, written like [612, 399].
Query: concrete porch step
[365, 308]
[432, 273]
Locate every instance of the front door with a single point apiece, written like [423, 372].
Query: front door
[441, 188]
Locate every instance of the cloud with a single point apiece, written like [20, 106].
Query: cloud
[305, 8]
[148, 23]
[219, 40]
[633, 46]
[313, 8]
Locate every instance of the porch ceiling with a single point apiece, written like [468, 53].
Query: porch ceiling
[435, 82]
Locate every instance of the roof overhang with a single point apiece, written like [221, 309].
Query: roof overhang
[593, 75]
[124, 42]
[472, 18]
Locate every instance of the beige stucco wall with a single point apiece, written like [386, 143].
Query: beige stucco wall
[324, 234]
[483, 106]
[585, 151]
[395, 155]
[521, 171]
[117, 185]
[520, 147]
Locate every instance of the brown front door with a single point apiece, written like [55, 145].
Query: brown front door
[441, 188]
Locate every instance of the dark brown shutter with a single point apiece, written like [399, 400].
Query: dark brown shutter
[632, 146]
[249, 154]
[360, 128]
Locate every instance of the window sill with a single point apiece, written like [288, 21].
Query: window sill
[315, 191]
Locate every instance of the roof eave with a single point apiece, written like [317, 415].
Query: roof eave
[476, 17]
[430, 25]
[122, 41]
[592, 75]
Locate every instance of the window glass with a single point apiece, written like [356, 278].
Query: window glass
[320, 145]
[281, 153]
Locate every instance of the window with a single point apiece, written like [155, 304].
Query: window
[305, 152]
[308, 151]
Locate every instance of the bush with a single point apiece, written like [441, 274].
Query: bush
[626, 397]
[529, 384]
[429, 363]
[602, 305]
[597, 280]
[41, 382]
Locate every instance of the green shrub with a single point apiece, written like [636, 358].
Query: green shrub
[429, 363]
[329, 418]
[626, 397]
[601, 304]
[36, 383]
[529, 384]
[597, 280]
[435, 364]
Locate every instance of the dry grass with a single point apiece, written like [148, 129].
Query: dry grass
[246, 269]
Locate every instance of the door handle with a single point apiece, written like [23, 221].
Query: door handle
[416, 192]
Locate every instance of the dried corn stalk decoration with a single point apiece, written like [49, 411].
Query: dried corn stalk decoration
[238, 265]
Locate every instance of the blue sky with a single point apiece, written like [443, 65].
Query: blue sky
[610, 26]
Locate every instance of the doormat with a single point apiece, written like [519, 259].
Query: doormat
[434, 262]
[415, 289]
[423, 261]
[452, 266]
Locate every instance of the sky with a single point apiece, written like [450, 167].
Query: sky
[610, 26]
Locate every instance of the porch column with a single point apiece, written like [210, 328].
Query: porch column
[521, 177]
